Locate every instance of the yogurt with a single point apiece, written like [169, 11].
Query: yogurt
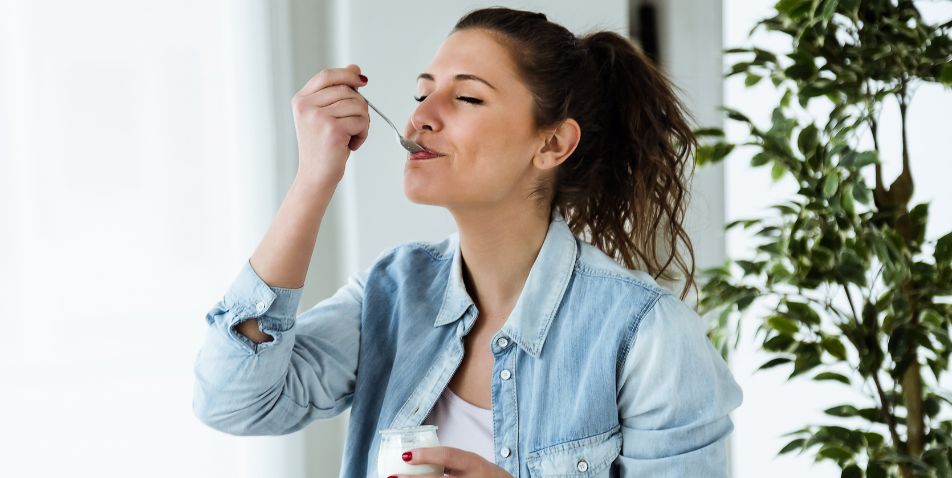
[395, 441]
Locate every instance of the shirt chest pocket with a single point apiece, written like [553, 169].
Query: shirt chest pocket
[590, 457]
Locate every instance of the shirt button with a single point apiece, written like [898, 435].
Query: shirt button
[502, 342]
[260, 306]
[505, 452]
[582, 466]
[505, 374]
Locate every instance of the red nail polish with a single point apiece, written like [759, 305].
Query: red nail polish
[392, 476]
[363, 78]
[407, 456]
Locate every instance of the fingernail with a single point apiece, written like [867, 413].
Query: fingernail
[392, 476]
[407, 456]
[363, 78]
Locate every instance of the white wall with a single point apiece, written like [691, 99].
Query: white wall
[136, 141]
[690, 49]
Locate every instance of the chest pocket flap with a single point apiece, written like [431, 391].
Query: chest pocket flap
[590, 456]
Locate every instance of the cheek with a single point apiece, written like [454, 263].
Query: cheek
[497, 169]
[512, 147]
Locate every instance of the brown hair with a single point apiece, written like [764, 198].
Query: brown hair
[625, 184]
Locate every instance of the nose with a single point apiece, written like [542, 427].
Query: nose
[426, 117]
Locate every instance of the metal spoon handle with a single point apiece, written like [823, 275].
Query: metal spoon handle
[379, 113]
[406, 143]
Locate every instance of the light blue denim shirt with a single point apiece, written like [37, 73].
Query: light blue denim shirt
[598, 371]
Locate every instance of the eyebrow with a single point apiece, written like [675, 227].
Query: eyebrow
[460, 77]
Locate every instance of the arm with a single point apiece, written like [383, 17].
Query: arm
[283, 257]
[330, 119]
[307, 372]
[674, 398]
[262, 371]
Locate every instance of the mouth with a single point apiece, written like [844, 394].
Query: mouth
[427, 153]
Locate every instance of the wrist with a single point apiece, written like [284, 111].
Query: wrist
[322, 182]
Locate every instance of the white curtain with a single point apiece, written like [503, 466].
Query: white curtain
[137, 172]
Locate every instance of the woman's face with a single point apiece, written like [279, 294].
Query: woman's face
[476, 111]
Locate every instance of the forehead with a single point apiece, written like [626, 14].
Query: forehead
[476, 52]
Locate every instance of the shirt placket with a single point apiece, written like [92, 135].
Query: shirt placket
[504, 403]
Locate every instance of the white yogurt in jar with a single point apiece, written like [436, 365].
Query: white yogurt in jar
[395, 441]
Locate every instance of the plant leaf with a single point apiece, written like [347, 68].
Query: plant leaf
[943, 249]
[842, 411]
[807, 140]
[834, 347]
[783, 325]
[774, 363]
[830, 183]
[826, 15]
[793, 445]
[852, 471]
[832, 376]
[945, 76]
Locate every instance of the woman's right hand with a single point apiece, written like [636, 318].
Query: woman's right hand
[330, 120]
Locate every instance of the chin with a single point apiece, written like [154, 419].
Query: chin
[420, 194]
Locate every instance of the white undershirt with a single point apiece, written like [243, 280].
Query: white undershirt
[463, 425]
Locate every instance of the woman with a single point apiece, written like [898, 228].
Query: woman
[534, 351]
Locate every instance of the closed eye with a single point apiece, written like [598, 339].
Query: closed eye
[467, 99]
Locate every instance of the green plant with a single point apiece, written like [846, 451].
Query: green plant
[844, 285]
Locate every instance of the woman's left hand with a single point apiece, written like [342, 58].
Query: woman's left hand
[455, 462]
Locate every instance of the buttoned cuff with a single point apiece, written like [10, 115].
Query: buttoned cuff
[250, 297]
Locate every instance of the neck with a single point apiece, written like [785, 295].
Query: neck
[499, 247]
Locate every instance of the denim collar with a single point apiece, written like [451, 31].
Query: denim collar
[541, 296]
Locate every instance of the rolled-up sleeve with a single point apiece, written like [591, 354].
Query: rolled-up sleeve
[675, 396]
[306, 372]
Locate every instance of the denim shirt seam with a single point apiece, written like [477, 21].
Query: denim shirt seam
[426, 247]
[429, 249]
[632, 334]
[589, 271]
[564, 444]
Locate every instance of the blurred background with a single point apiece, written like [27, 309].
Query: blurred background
[145, 146]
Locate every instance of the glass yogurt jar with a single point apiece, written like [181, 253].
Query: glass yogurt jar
[395, 441]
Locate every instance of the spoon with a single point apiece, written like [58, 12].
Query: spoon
[406, 143]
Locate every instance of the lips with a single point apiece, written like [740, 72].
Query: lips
[424, 155]
[427, 154]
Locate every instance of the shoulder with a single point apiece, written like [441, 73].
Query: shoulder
[613, 296]
[672, 375]
[660, 316]
[670, 319]
[594, 264]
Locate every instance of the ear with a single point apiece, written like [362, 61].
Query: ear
[559, 143]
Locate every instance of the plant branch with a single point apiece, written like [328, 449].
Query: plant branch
[903, 107]
[880, 188]
[872, 284]
[883, 401]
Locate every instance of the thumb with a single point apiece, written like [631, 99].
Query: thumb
[354, 67]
